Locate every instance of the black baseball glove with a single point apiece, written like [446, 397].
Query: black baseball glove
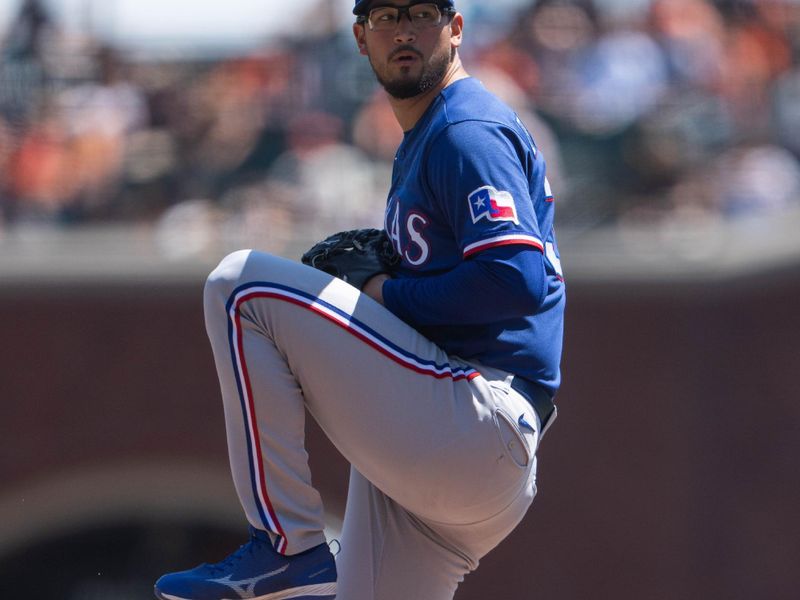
[353, 256]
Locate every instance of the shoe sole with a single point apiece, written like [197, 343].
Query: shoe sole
[320, 591]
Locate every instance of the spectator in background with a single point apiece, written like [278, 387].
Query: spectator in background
[40, 182]
[691, 34]
[313, 165]
[555, 35]
[757, 180]
[27, 34]
[98, 117]
[22, 61]
[222, 116]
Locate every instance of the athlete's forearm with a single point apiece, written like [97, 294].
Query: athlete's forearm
[497, 284]
[374, 287]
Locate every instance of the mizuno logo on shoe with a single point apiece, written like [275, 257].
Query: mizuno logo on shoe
[246, 587]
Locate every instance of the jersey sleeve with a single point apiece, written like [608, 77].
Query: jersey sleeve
[480, 175]
[512, 276]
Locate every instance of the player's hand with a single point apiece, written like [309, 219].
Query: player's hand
[374, 287]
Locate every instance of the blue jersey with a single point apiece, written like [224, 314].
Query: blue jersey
[468, 177]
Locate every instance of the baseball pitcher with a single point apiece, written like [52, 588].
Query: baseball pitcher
[428, 352]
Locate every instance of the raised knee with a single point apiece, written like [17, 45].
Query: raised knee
[226, 276]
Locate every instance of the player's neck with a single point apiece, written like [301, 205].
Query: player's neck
[410, 110]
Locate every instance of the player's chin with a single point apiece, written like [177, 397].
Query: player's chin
[405, 79]
[401, 83]
[403, 89]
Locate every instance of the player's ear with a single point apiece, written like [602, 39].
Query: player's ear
[456, 30]
[360, 34]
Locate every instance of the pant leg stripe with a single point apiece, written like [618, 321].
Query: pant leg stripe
[255, 456]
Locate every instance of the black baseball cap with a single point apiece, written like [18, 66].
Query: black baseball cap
[362, 5]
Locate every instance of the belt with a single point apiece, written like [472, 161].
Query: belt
[540, 400]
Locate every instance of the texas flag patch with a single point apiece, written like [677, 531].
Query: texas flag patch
[492, 204]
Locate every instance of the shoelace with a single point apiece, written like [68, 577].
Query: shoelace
[226, 564]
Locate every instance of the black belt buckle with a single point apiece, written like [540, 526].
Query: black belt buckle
[540, 400]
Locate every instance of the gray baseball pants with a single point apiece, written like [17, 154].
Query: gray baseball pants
[441, 471]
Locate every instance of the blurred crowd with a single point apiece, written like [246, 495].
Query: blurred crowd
[647, 110]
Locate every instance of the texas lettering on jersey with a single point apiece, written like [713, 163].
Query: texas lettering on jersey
[410, 242]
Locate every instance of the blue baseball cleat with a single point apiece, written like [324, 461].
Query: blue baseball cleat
[256, 571]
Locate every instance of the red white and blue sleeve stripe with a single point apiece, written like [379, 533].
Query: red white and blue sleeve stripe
[505, 239]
